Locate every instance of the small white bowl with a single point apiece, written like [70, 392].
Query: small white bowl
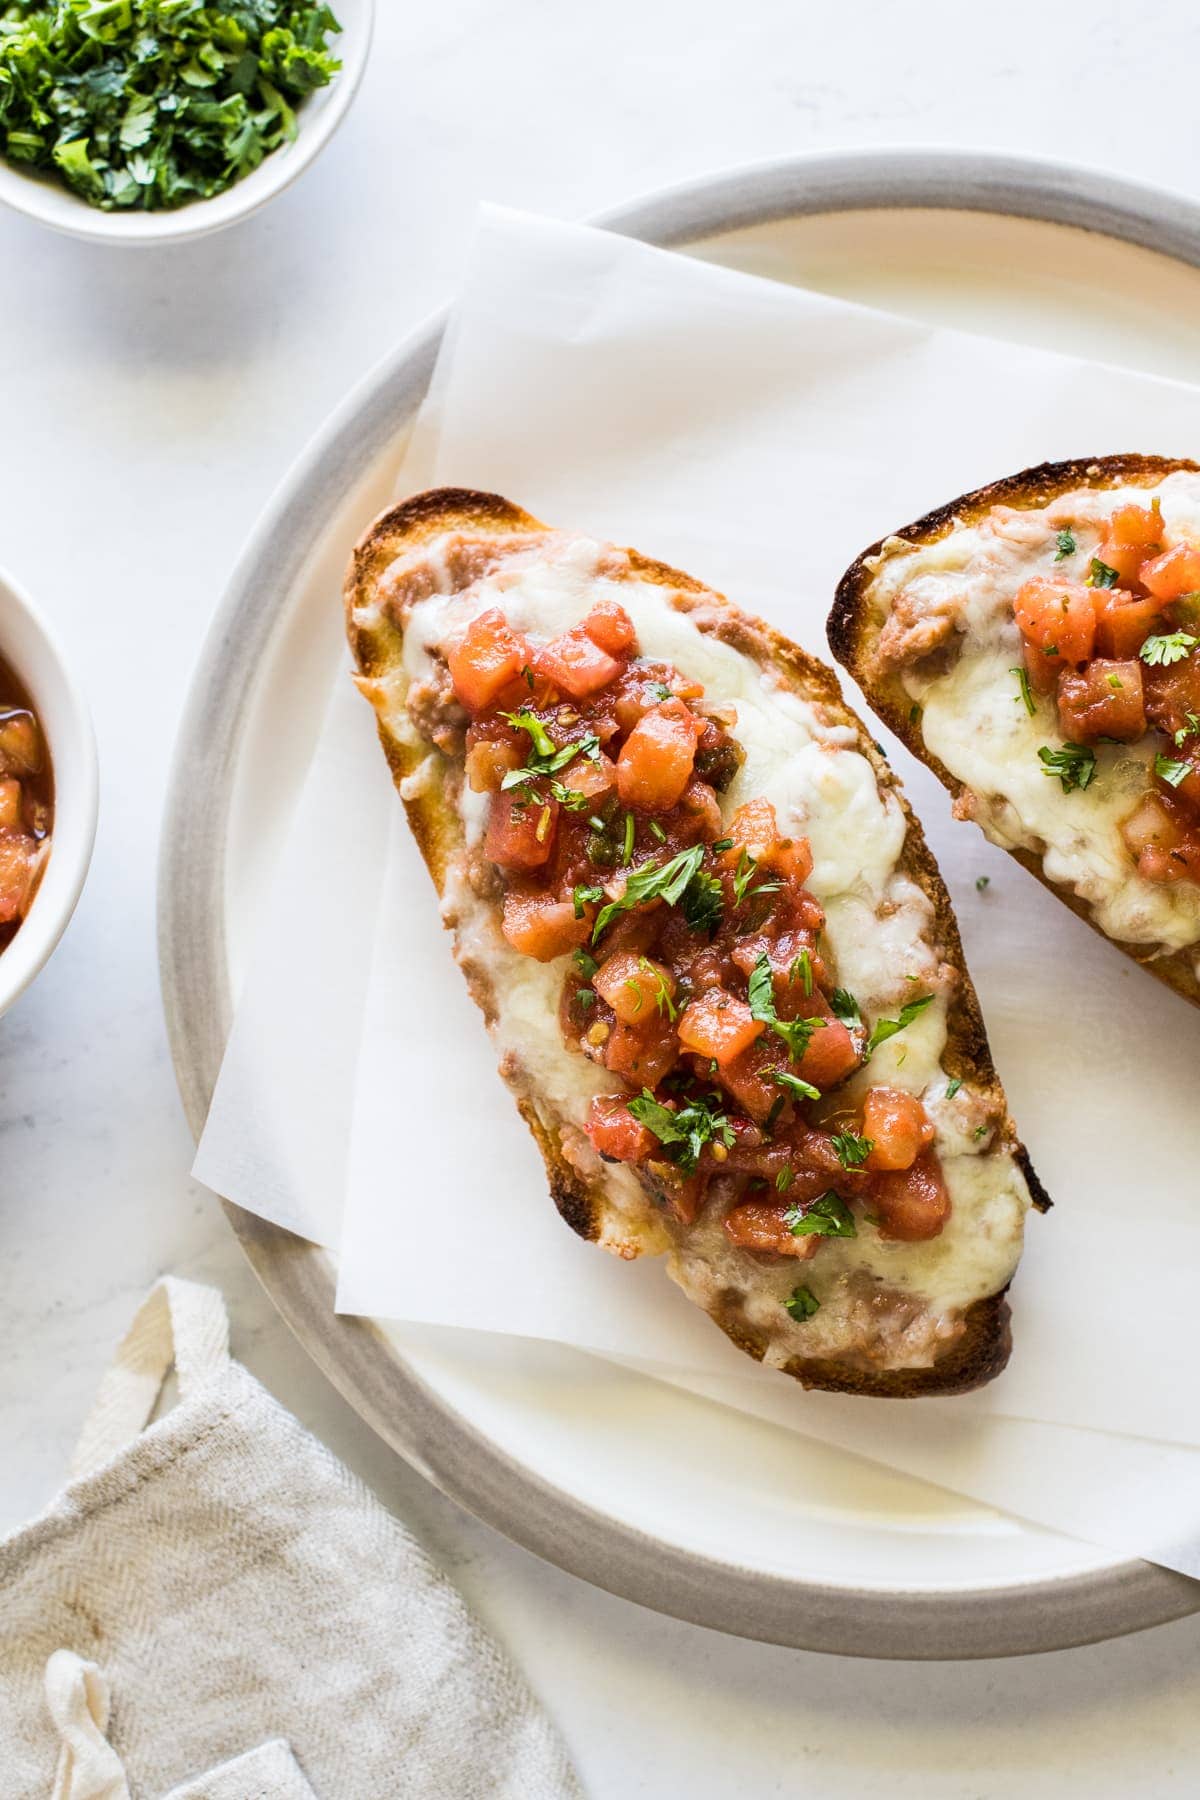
[44, 198]
[29, 646]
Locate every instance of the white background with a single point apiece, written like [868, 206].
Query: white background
[151, 401]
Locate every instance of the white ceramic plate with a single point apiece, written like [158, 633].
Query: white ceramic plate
[681, 1505]
[42, 197]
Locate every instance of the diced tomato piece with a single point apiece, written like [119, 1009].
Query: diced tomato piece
[1123, 621]
[615, 1134]
[754, 831]
[830, 1057]
[18, 864]
[610, 626]
[1172, 692]
[1135, 526]
[575, 664]
[747, 1077]
[1057, 616]
[485, 659]
[10, 805]
[1175, 573]
[1042, 669]
[540, 926]
[1125, 560]
[912, 1204]
[718, 1025]
[520, 831]
[898, 1127]
[489, 761]
[757, 1225]
[642, 1055]
[700, 813]
[655, 764]
[635, 987]
[20, 742]
[592, 777]
[1163, 839]
[1103, 700]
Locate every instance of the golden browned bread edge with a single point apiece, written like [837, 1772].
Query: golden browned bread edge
[852, 633]
[983, 1349]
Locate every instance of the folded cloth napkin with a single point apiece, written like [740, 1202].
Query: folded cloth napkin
[218, 1610]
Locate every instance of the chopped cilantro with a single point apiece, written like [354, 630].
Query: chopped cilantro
[630, 832]
[801, 1090]
[1025, 692]
[721, 845]
[827, 1217]
[845, 1007]
[747, 868]
[802, 1305]
[546, 757]
[802, 966]
[784, 1180]
[952, 1087]
[982, 882]
[141, 105]
[1101, 576]
[703, 902]
[1190, 729]
[914, 713]
[1066, 544]
[684, 1131]
[662, 991]
[656, 831]
[1074, 764]
[581, 896]
[587, 965]
[661, 691]
[852, 1150]
[1170, 647]
[651, 882]
[1170, 771]
[886, 1028]
[796, 1033]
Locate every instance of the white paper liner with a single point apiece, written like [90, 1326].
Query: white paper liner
[758, 436]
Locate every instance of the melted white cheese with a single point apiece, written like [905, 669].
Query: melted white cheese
[973, 718]
[879, 928]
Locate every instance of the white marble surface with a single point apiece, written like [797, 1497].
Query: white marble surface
[151, 402]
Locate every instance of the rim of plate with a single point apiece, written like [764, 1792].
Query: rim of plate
[914, 1623]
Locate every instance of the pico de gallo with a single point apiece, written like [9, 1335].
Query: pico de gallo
[26, 804]
[697, 979]
[1119, 654]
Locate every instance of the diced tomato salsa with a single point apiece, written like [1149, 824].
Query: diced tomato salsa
[697, 979]
[26, 804]
[1118, 653]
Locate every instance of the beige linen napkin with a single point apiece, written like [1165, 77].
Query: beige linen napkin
[221, 1595]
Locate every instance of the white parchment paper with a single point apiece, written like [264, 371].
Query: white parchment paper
[758, 436]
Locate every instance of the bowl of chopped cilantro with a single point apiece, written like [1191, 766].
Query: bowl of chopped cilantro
[146, 121]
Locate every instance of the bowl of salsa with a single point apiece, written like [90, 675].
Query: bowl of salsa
[48, 791]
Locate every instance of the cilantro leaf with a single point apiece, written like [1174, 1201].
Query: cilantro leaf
[1167, 648]
[800, 1090]
[702, 902]
[651, 882]
[802, 1305]
[546, 757]
[1191, 728]
[1066, 544]
[852, 1150]
[796, 1033]
[827, 1217]
[1170, 771]
[1100, 575]
[1025, 692]
[1074, 764]
[887, 1028]
[845, 1007]
[684, 1130]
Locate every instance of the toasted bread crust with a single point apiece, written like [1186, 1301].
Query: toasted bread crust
[983, 1348]
[852, 633]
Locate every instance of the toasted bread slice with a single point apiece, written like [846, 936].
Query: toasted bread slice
[895, 1319]
[924, 622]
